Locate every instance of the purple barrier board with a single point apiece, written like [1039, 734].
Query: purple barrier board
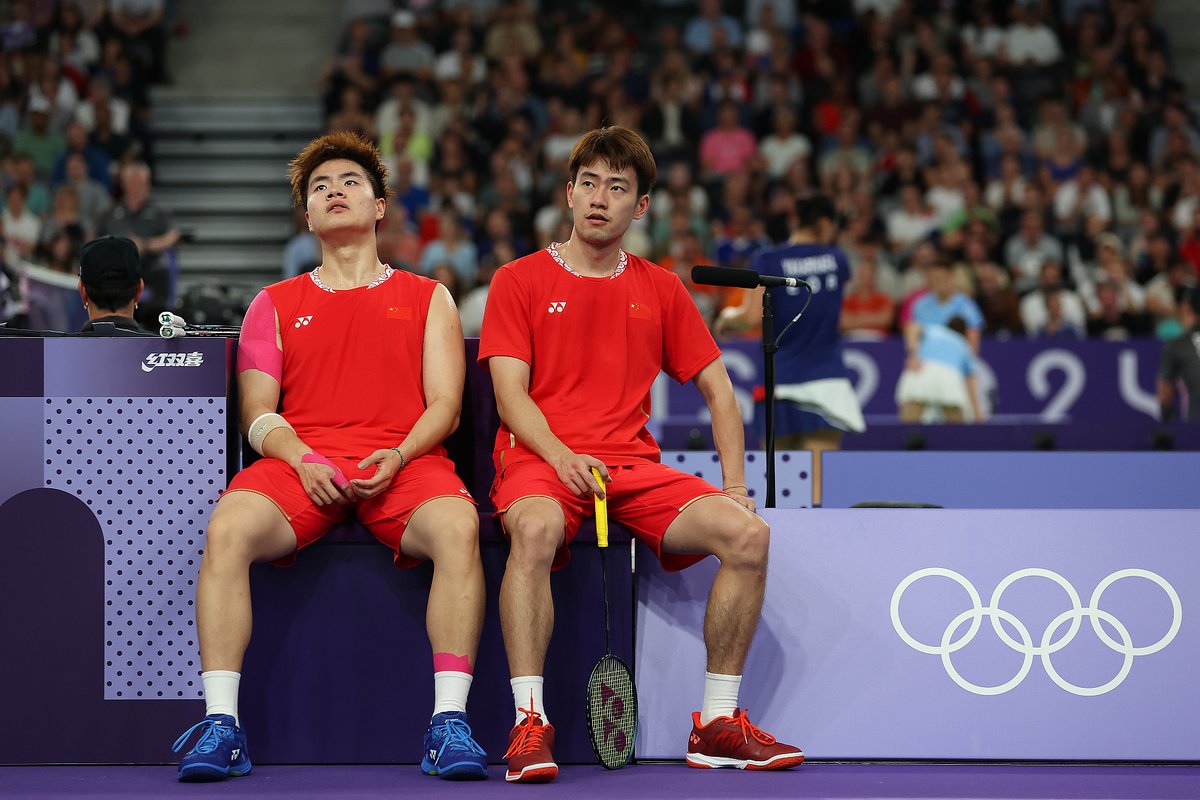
[1020, 380]
[1013, 480]
[949, 634]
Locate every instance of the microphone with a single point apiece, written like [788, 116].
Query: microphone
[742, 278]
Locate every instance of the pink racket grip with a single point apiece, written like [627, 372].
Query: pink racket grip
[339, 480]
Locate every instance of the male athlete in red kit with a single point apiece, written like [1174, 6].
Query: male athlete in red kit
[350, 377]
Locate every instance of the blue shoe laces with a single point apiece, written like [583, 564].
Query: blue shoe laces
[457, 732]
[208, 740]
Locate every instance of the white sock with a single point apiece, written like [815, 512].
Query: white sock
[450, 691]
[720, 696]
[221, 692]
[527, 693]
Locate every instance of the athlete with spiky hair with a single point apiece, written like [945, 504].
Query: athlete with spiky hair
[349, 378]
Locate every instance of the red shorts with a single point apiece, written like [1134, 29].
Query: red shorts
[385, 515]
[645, 498]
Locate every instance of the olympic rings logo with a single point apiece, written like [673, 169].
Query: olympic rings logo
[1049, 645]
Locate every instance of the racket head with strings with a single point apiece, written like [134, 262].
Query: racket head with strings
[612, 712]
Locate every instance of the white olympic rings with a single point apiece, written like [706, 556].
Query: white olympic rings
[1048, 645]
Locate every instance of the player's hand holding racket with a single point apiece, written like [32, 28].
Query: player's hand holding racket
[576, 471]
[611, 694]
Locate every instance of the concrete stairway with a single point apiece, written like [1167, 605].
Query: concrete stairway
[222, 170]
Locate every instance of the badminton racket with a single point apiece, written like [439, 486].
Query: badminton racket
[611, 694]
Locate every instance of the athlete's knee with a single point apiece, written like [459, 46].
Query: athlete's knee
[230, 541]
[457, 540]
[745, 545]
[534, 541]
[226, 541]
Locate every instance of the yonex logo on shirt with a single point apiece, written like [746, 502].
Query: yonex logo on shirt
[303, 320]
[557, 306]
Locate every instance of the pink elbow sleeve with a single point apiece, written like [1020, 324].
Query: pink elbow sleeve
[257, 347]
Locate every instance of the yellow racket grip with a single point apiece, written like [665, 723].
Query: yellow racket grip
[601, 512]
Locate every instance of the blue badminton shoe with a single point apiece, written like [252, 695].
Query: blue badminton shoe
[219, 753]
[450, 750]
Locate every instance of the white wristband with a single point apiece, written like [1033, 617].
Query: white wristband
[261, 426]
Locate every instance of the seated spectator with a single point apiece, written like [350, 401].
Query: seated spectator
[728, 148]
[461, 62]
[92, 197]
[65, 218]
[1113, 269]
[38, 200]
[355, 64]
[451, 248]
[1051, 310]
[406, 53]
[867, 311]
[470, 309]
[1081, 205]
[1111, 319]
[100, 97]
[912, 222]
[1132, 196]
[687, 251]
[710, 26]
[43, 143]
[22, 229]
[141, 27]
[117, 146]
[1028, 250]
[735, 242]
[512, 32]
[351, 114]
[845, 149]
[1161, 295]
[57, 89]
[783, 145]
[98, 161]
[997, 301]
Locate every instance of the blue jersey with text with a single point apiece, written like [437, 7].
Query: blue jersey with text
[812, 349]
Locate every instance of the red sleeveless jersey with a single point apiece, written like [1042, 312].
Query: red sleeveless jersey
[594, 347]
[352, 361]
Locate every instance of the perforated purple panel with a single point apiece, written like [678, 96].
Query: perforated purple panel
[793, 473]
[150, 468]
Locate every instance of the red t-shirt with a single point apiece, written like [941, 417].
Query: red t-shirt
[352, 361]
[594, 347]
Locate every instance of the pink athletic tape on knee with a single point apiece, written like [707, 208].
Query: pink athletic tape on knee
[257, 345]
[448, 662]
[339, 479]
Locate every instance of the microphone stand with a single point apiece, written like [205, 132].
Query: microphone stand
[770, 348]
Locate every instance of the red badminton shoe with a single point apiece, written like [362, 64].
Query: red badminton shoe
[737, 742]
[530, 756]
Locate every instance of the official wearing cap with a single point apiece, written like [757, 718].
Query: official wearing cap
[110, 282]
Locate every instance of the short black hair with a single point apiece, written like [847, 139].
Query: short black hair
[107, 298]
[811, 210]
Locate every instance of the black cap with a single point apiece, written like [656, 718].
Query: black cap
[110, 262]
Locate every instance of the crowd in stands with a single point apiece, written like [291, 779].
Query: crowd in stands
[1044, 147]
[74, 129]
